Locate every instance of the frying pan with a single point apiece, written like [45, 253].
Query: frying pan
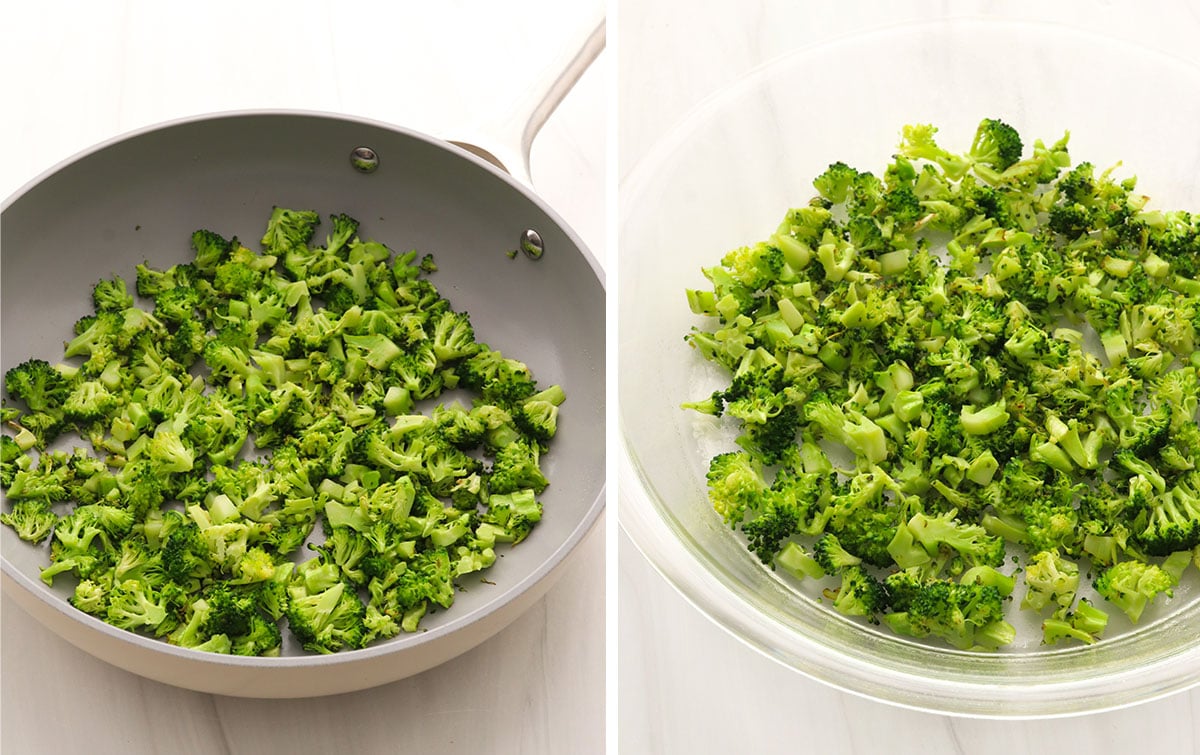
[140, 196]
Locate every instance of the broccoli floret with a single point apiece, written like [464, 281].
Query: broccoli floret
[169, 451]
[509, 517]
[779, 519]
[1132, 585]
[211, 250]
[346, 548]
[134, 605]
[460, 427]
[427, 579]
[735, 485]
[91, 596]
[261, 638]
[1069, 220]
[289, 229]
[996, 144]
[344, 231]
[230, 612]
[918, 143]
[1050, 579]
[152, 282]
[537, 416]
[831, 556]
[754, 267]
[860, 593]
[90, 400]
[176, 305]
[1051, 525]
[111, 295]
[1174, 521]
[970, 541]
[236, 278]
[1084, 624]
[139, 561]
[866, 532]
[328, 620]
[453, 337]
[185, 556]
[516, 466]
[903, 206]
[32, 520]
[966, 616]
[38, 384]
[12, 460]
[835, 182]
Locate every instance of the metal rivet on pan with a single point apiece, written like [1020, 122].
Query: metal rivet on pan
[364, 159]
[531, 244]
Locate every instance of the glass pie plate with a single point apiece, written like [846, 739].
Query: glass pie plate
[724, 178]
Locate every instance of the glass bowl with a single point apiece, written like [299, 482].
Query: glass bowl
[724, 178]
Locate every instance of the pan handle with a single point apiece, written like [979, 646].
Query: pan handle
[509, 139]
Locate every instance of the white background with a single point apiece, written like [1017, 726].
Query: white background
[685, 685]
[78, 73]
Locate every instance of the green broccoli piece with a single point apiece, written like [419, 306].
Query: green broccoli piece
[210, 250]
[735, 485]
[1084, 624]
[996, 144]
[778, 520]
[835, 182]
[38, 384]
[111, 295]
[1174, 521]
[860, 594]
[328, 620]
[134, 605]
[12, 460]
[966, 616]
[32, 520]
[831, 556]
[537, 416]
[453, 337]
[970, 542]
[516, 466]
[1050, 579]
[1132, 585]
[289, 229]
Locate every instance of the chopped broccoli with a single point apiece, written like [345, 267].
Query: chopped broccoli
[1050, 579]
[32, 519]
[38, 384]
[111, 295]
[860, 593]
[1133, 585]
[996, 144]
[966, 616]
[911, 385]
[317, 358]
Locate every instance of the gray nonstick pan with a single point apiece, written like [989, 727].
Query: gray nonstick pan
[138, 198]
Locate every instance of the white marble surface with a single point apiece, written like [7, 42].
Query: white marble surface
[78, 73]
[684, 684]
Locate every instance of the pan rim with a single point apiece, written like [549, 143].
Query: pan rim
[219, 115]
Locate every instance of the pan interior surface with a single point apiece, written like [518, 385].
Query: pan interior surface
[723, 179]
[139, 198]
